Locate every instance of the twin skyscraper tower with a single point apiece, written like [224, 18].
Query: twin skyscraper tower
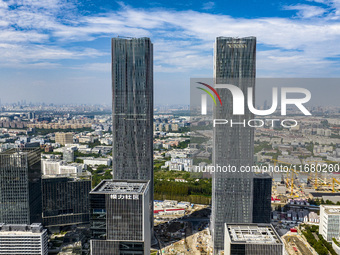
[122, 208]
[237, 197]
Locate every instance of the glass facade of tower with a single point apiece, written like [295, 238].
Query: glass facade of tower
[132, 111]
[132, 108]
[65, 200]
[234, 63]
[20, 186]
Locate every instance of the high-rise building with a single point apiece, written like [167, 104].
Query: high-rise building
[23, 239]
[64, 138]
[262, 194]
[132, 108]
[329, 221]
[20, 182]
[120, 217]
[65, 200]
[232, 194]
[132, 111]
[252, 239]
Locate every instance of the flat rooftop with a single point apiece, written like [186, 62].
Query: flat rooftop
[331, 209]
[34, 229]
[20, 151]
[321, 194]
[121, 187]
[236, 38]
[253, 233]
[74, 176]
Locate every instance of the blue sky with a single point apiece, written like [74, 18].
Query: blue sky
[58, 51]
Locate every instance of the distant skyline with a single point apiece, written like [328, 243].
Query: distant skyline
[324, 92]
[58, 51]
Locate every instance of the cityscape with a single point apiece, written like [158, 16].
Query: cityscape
[243, 157]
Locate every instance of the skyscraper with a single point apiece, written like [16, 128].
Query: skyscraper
[120, 218]
[20, 182]
[132, 110]
[232, 198]
[132, 106]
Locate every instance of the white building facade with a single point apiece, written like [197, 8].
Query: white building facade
[329, 222]
[23, 239]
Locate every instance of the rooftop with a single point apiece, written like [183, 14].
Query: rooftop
[20, 151]
[74, 176]
[236, 38]
[19, 156]
[121, 187]
[122, 37]
[253, 233]
[321, 194]
[21, 229]
[332, 209]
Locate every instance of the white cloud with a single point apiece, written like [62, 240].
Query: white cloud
[36, 55]
[273, 63]
[306, 11]
[183, 40]
[13, 36]
[208, 6]
[3, 4]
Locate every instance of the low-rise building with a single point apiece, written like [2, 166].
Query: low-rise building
[313, 217]
[23, 239]
[179, 164]
[97, 161]
[53, 167]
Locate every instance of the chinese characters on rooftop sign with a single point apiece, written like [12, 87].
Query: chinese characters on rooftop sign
[124, 197]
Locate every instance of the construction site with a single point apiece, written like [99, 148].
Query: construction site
[314, 182]
[295, 244]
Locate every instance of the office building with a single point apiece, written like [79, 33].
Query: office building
[120, 217]
[329, 221]
[232, 192]
[132, 86]
[65, 200]
[262, 193]
[20, 182]
[132, 111]
[23, 239]
[97, 161]
[68, 155]
[252, 239]
[55, 167]
[64, 138]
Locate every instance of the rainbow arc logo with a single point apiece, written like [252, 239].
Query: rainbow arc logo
[204, 97]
